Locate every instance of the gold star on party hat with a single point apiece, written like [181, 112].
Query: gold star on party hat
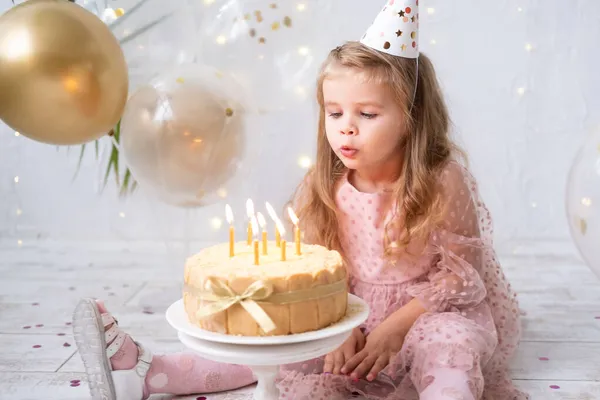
[395, 30]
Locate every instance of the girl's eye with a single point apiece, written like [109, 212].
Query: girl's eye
[368, 116]
[335, 115]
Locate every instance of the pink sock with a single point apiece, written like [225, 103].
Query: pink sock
[181, 373]
[447, 384]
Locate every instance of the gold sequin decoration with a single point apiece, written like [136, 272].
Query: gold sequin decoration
[258, 15]
[287, 21]
[180, 80]
[252, 32]
[262, 40]
[413, 35]
[119, 12]
[275, 26]
[273, 5]
[386, 45]
[228, 112]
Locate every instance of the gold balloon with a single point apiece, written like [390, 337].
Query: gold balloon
[63, 76]
[182, 135]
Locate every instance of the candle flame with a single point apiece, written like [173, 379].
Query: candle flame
[261, 220]
[254, 226]
[229, 214]
[249, 208]
[293, 216]
[280, 227]
[271, 211]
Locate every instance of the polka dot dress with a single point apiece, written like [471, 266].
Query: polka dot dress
[472, 323]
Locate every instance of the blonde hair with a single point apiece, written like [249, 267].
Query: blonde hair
[427, 149]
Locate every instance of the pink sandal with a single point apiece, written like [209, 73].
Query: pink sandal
[105, 384]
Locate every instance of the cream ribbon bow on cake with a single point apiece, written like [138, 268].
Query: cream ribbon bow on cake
[222, 297]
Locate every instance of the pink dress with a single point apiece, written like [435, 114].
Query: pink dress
[472, 323]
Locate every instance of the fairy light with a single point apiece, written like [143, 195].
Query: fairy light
[301, 7]
[19, 212]
[521, 91]
[304, 162]
[216, 223]
[430, 10]
[534, 204]
[20, 242]
[586, 201]
[303, 51]
[17, 133]
[520, 9]
[300, 90]
[122, 214]
[433, 41]
[528, 47]
[221, 40]
[208, 2]
[119, 12]
[222, 193]
[16, 179]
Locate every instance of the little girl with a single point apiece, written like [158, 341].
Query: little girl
[388, 192]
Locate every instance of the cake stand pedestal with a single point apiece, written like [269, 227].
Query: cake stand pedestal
[264, 355]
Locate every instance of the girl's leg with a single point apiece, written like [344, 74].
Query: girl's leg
[120, 369]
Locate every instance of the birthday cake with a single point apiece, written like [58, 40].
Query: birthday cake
[281, 294]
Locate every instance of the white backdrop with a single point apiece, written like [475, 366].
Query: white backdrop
[521, 81]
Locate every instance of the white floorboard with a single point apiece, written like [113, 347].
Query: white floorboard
[40, 282]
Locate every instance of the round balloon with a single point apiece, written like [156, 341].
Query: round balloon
[273, 47]
[63, 76]
[182, 135]
[583, 201]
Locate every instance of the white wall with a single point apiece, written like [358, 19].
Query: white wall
[521, 145]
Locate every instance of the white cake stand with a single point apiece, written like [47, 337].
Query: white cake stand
[264, 355]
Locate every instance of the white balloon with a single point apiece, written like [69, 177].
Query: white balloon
[583, 201]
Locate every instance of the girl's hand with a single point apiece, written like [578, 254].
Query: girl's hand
[335, 360]
[383, 343]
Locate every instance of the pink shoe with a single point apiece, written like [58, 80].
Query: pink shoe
[91, 338]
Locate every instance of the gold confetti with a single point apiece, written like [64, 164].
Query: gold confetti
[119, 12]
[275, 26]
[180, 80]
[287, 21]
[583, 226]
[413, 35]
[228, 112]
[386, 45]
[262, 40]
[247, 17]
[258, 15]
[403, 47]
[273, 5]
[252, 32]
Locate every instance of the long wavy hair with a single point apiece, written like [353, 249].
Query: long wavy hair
[427, 148]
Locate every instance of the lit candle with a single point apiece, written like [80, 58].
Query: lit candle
[254, 226]
[295, 221]
[273, 216]
[281, 229]
[229, 216]
[250, 214]
[263, 225]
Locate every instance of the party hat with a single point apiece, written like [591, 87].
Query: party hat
[396, 29]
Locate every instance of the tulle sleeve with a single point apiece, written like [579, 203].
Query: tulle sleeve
[454, 281]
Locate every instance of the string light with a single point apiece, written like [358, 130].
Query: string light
[301, 7]
[586, 201]
[303, 51]
[221, 39]
[433, 41]
[519, 9]
[304, 162]
[20, 242]
[208, 2]
[16, 179]
[216, 223]
[521, 91]
[122, 214]
[19, 212]
[222, 193]
[300, 90]
[528, 46]
[430, 10]
[533, 204]
[17, 134]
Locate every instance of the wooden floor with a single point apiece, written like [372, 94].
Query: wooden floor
[40, 282]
